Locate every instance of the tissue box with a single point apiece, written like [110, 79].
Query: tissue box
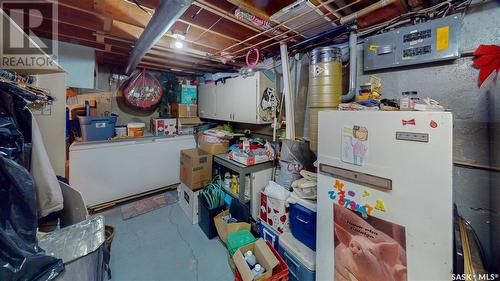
[163, 127]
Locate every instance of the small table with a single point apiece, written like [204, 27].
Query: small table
[242, 170]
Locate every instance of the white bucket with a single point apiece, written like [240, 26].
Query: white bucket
[136, 130]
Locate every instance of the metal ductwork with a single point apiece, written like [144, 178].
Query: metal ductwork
[353, 64]
[163, 19]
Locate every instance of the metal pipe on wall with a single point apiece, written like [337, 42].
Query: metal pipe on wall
[164, 17]
[353, 67]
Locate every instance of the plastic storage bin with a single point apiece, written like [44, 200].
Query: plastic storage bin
[303, 225]
[300, 259]
[269, 234]
[239, 239]
[94, 128]
[280, 272]
[206, 217]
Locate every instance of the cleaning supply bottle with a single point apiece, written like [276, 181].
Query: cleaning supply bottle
[250, 258]
[227, 180]
[258, 270]
[234, 185]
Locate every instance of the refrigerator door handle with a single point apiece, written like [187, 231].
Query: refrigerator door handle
[356, 177]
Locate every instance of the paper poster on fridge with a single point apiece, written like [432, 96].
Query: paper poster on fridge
[368, 249]
[354, 144]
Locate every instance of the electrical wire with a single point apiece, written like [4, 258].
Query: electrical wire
[212, 26]
[439, 10]
[136, 2]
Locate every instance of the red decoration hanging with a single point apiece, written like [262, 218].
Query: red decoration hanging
[487, 59]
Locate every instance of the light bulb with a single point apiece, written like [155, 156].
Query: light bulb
[178, 44]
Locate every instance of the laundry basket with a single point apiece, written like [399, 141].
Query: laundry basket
[280, 272]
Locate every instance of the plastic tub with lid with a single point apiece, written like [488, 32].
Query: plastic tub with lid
[303, 222]
[95, 128]
[300, 259]
[136, 130]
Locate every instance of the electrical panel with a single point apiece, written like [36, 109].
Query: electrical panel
[434, 40]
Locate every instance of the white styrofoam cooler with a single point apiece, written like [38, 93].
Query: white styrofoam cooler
[301, 259]
[188, 200]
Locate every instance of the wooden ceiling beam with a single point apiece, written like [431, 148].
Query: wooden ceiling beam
[119, 10]
[122, 58]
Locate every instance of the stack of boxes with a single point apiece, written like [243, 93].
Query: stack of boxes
[182, 108]
[195, 173]
[185, 108]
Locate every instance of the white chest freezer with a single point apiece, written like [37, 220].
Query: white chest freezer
[108, 171]
[384, 196]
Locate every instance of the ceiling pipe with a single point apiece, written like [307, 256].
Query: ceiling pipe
[365, 11]
[161, 21]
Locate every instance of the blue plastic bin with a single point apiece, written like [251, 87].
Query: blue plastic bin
[300, 259]
[269, 234]
[303, 225]
[94, 128]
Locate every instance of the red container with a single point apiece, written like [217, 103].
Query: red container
[280, 272]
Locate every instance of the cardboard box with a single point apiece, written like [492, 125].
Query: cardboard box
[196, 168]
[188, 94]
[187, 125]
[213, 148]
[188, 200]
[264, 256]
[224, 229]
[163, 127]
[183, 110]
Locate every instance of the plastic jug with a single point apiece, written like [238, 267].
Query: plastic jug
[250, 258]
[258, 270]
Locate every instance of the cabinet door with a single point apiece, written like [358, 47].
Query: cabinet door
[224, 100]
[206, 101]
[245, 102]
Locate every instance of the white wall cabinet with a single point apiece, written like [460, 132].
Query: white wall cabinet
[206, 101]
[237, 100]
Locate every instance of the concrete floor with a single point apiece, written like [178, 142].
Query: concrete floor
[164, 245]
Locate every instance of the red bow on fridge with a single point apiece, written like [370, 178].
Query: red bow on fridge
[487, 59]
[408, 122]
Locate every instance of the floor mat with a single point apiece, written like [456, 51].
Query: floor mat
[148, 204]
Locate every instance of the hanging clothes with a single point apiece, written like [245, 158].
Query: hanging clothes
[13, 101]
[23, 143]
[21, 258]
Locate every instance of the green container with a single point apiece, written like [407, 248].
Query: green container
[188, 95]
[239, 239]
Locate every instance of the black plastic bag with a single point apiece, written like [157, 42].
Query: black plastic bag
[20, 256]
[15, 123]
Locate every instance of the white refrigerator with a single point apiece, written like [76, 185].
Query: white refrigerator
[384, 196]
